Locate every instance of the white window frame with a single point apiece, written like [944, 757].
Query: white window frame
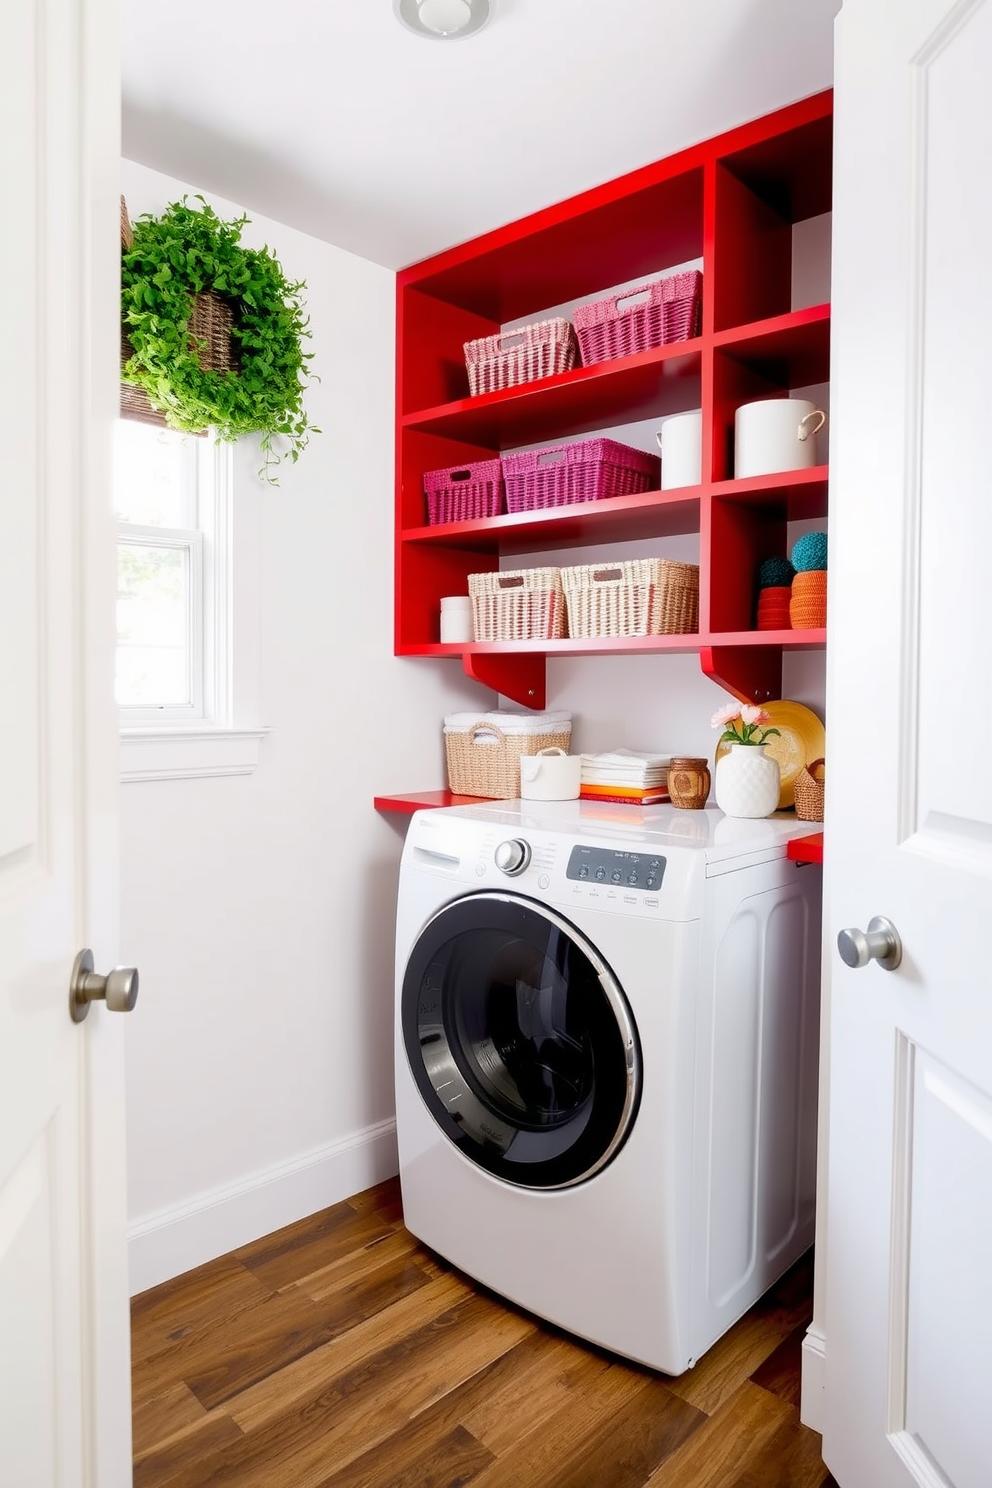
[217, 732]
[187, 540]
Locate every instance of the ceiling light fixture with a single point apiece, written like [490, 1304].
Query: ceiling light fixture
[443, 20]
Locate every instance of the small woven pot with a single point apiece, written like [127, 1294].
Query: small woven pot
[774, 608]
[688, 783]
[808, 605]
[809, 786]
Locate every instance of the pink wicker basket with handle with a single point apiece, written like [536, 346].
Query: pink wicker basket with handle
[534, 351]
[638, 319]
[589, 470]
[464, 493]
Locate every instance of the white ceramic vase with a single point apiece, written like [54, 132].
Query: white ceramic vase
[747, 781]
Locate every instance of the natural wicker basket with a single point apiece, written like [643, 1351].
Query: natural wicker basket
[809, 788]
[518, 605]
[643, 596]
[484, 761]
[513, 357]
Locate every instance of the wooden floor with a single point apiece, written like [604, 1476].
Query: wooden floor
[339, 1351]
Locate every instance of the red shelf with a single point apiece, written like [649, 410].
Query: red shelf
[653, 514]
[806, 849]
[648, 385]
[406, 805]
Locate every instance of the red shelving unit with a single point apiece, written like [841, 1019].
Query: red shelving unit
[732, 202]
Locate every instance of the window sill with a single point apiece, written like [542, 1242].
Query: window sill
[188, 753]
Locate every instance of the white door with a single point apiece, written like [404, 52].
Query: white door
[908, 1372]
[64, 1378]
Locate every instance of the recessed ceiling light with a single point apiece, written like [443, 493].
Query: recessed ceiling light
[443, 20]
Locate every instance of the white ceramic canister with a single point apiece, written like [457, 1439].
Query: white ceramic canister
[550, 775]
[456, 619]
[680, 440]
[776, 434]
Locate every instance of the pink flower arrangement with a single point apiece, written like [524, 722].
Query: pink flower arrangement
[742, 724]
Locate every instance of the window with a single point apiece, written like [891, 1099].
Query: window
[174, 674]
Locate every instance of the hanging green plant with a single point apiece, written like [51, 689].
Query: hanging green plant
[183, 273]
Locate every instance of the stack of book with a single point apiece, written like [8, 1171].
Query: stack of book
[625, 775]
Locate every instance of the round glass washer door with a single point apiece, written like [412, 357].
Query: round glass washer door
[520, 1040]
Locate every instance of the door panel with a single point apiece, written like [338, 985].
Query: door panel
[64, 1387]
[909, 813]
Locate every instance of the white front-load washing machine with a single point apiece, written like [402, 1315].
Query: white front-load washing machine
[606, 1051]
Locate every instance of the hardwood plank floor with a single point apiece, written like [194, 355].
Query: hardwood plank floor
[339, 1353]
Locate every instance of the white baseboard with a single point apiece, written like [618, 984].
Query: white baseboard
[813, 1374]
[171, 1241]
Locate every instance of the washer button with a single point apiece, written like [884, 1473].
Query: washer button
[617, 875]
[632, 880]
[600, 873]
[543, 881]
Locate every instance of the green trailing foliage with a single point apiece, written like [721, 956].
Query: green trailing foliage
[176, 256]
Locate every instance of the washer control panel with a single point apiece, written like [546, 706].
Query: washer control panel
[603, 865]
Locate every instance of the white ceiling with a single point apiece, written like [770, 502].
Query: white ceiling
[329, 116]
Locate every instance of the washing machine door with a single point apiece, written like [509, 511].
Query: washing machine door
[520, 1040]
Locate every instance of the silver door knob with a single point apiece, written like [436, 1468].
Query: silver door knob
[880, 942]
[119, 988]
[512, 857]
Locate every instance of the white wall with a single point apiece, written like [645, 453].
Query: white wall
[259, 908]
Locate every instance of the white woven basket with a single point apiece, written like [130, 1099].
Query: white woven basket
[642, 596]
[523, 604]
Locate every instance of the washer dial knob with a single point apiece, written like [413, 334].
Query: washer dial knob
[512, 856]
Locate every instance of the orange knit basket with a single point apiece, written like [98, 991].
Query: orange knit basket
[808, 605]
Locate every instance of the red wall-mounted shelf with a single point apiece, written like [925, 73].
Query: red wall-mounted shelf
[806, 849]
[733, 202]
[406, 805]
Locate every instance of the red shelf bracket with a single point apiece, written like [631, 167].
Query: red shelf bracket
[521, 678]
[751, 673]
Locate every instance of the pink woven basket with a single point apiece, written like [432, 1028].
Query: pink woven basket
[539, 350]
[637, 319]
[564, 474]
[463, 493]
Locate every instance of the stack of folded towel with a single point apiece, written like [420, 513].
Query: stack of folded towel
[625, 775]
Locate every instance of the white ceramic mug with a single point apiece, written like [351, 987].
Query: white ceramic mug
[776, 434]
[680, 440]
[550, 775]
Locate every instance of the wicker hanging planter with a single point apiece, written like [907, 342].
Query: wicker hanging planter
[210, 322]
[212, 331]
